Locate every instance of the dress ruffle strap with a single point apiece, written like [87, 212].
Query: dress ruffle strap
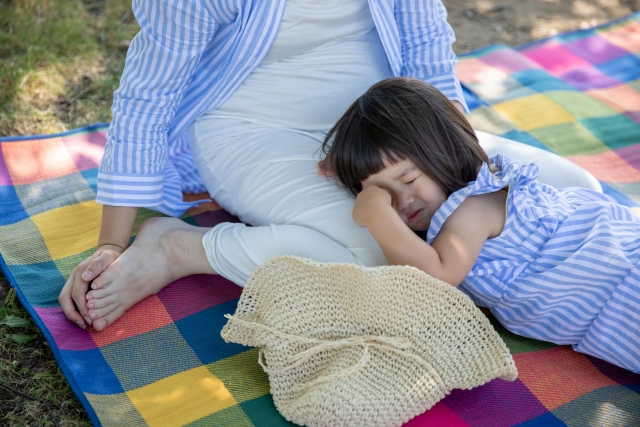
[511, 171]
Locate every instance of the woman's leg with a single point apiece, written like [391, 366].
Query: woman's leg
[267, 177]
[235, 250]
[554, 170]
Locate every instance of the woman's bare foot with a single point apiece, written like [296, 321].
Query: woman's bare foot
[165, 249]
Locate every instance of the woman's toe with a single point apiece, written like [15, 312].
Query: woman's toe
[106, 321]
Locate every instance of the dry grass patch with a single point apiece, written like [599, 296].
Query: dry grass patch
[60, 61]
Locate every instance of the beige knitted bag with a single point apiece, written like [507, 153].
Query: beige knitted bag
[345, 345]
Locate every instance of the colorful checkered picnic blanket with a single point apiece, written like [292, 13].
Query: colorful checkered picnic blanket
[164, 363]
[576, 94]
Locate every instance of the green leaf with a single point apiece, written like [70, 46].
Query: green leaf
[15, 322]
[3, 314]
[21, 338]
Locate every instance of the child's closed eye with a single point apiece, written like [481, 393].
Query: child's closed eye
[411, 182]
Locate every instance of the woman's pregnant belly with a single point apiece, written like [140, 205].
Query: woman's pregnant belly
[310, 91]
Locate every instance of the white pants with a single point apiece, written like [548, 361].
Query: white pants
[267, 177]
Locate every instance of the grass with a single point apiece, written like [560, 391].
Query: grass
[60, 62]
[31, 369]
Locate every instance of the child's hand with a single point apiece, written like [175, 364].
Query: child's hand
[370, 200]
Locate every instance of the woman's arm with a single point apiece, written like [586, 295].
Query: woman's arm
[160, 62]
[458, 105]
[457, 246]
[425, 39]
[116, 228]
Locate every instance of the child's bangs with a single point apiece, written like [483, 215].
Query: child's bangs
[377, 160]
[364, 158]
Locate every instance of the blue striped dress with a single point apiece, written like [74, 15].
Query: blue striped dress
[565, 268]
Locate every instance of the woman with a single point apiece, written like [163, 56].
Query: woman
[235, 98]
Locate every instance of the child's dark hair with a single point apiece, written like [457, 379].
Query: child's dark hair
[403, 119]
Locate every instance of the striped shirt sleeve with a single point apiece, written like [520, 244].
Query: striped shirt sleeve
[160, 62]
[426, 38]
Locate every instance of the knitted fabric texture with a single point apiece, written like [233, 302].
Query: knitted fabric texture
[346, 345]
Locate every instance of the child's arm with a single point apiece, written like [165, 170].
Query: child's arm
[457, 246]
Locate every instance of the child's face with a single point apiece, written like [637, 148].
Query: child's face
[414, 196]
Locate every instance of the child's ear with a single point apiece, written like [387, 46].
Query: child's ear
[323, 169]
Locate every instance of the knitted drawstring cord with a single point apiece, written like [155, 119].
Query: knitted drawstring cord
[394, 344]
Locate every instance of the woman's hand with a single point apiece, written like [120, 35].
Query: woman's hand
[369, 201]
[115, 233]
[72, 298]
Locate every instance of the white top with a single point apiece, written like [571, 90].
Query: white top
[304, 82]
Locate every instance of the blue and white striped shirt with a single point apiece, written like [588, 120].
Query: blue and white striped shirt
[191, 55]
